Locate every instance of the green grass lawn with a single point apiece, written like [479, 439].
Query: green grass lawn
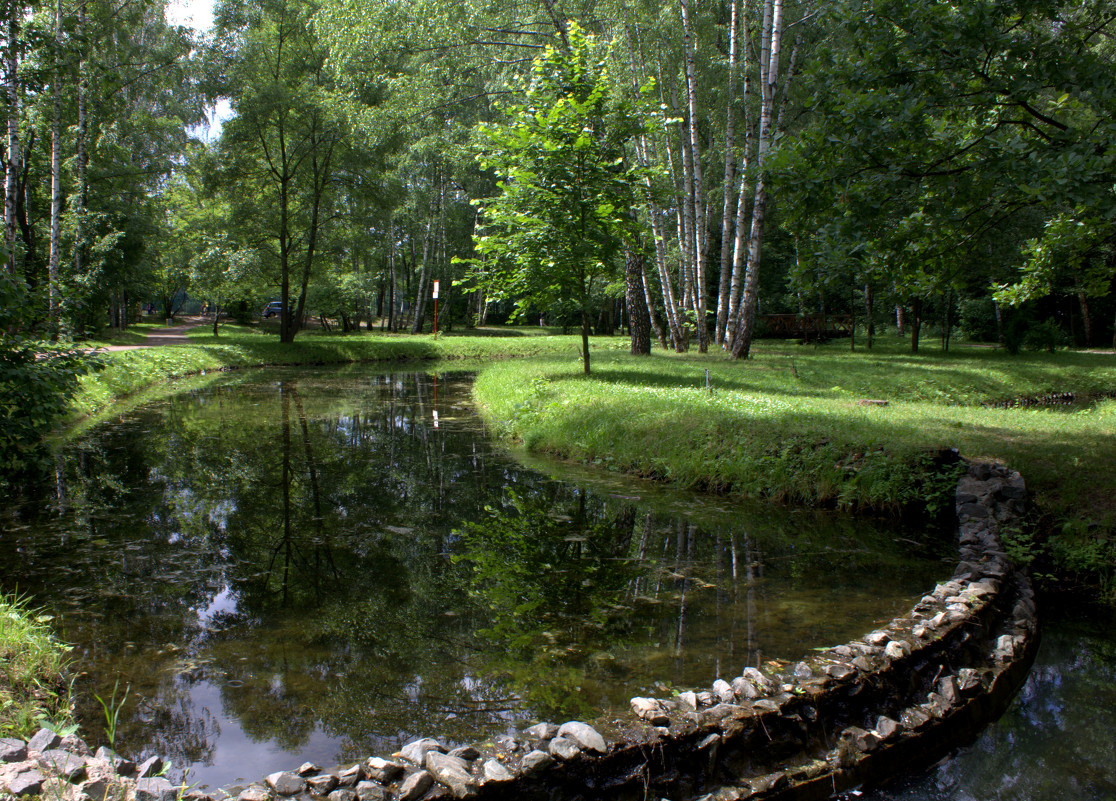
[786, 424]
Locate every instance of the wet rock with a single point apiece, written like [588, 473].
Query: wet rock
[1005, 648]
[286, 783]
[414, 786]
[537, 760]
[584, 735]
[651, 710]
[744, 688]
[29, 782]
[383, 770]
[12, 750]
[452, 772]
[711, 741]
[308, 769]
[415, 751]
[769, 783]
[510, 744]
[705, 699]
[322, 785]
[723, 690]
[256, 793]
[563, 748]
[894, 650]
[802, 672]
[761, 682]
[370, 791]
[44, 740]
[155, 788]
[466, 752]
[877, 638]
[350, 776]
[948, 689]
[542, 731]
[715, 715]
[888, 729]
[968, 681]
[863, 741]
[914, 718]
[689, 700]
[845, 651]
[863, 664]
[343, 794]
[765, 705]
[62, 763]
[496, 772]
[149, 767]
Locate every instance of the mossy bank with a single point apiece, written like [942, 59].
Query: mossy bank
[810, 426]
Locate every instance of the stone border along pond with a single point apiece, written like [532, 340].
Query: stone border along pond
[888, 703]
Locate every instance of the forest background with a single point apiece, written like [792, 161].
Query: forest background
[683, 169]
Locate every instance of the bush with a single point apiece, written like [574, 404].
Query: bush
[1046, 335]
[37, 381]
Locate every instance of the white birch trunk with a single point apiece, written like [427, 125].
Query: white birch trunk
[695, 183]
[769, 74]
[729, 184]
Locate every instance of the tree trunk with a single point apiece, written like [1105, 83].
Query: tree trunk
[695, 183]
[1086, 320]
[55, 177]
[81, 193]
[916, 323]
[12, 163]
[729, 185]
[868, 313]
[900, 321]
[639, 321]
[769, 72]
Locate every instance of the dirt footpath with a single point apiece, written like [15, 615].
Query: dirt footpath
[171, 335]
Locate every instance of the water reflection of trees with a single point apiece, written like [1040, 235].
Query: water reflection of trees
[298, 545]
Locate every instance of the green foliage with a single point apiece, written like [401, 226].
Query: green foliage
[37, 380]
[33, 664]
[567, 192]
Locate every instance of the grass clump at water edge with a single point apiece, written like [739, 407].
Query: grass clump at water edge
[34, 688]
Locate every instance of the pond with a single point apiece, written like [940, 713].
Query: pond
[289, 565]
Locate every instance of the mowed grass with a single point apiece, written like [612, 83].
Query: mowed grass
[787, 425]
[33, 687]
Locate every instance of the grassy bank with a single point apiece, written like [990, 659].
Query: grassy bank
[788, 425]
[33, 685]
[125, 373]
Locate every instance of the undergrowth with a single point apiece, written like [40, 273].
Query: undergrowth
[33, 686]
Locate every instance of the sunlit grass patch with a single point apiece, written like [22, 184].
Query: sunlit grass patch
[33, 685]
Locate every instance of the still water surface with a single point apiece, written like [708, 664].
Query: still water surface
[297, 564]
[1057, 740]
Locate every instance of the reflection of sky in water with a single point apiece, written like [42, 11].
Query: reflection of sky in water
[241, 759]
[223, 602]
[1056, 742]
[421, 584]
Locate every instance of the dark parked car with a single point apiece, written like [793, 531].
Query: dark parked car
[273, 309]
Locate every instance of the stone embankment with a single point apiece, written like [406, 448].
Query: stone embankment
[892, 701]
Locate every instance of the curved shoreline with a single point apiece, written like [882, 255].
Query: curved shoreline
[857, 713]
